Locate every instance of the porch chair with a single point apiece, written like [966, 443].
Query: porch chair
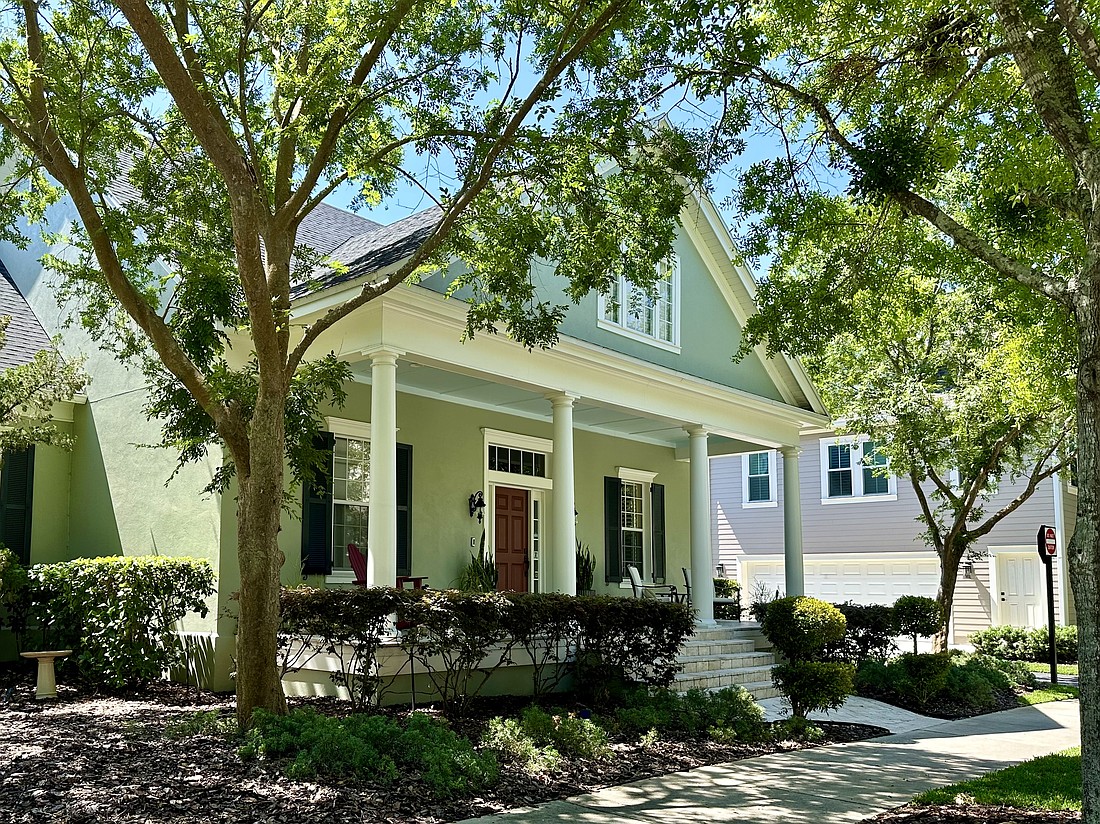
[664, 592]
[687, 584]
[358, 564]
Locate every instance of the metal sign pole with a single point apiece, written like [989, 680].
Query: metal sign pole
[1047, 541]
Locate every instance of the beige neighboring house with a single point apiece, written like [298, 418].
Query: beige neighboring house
[862, 537]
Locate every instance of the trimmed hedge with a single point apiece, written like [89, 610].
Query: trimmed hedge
[869, 633]
[117, 614]
[613, 640]
[1024, 644]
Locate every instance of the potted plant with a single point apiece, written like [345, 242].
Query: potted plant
[586, 570]
[480, 572]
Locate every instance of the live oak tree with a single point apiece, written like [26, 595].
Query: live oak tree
[193, 138]
[978, 120]
[961, 392]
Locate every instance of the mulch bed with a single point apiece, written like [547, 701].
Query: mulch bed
[108, 760]
[972, 814]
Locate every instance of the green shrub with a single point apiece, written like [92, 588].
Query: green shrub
[451, 634]
[869, 632]
[118, 614]
[567, 732]
[798, 728]
[507, 737]
[800, 627]
[951, 679]
[14, 592]
[727, 713]
[917, 616]
[372, 748]
[1023, 644]
[925, 674]
[809, 686]
[1017, 672]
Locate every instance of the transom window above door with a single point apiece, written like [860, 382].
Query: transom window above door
[517, 461]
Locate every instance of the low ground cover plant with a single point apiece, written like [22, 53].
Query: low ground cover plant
[728, 714]
[374, 748]
[1026, 644]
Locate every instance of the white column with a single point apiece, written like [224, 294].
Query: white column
[702, 580]
[564, 543]
[792, 524]
[382, 523]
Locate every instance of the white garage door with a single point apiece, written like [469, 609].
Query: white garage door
[874, 580]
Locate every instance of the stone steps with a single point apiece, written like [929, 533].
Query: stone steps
[725, 656]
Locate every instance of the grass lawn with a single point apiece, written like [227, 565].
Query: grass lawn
[1049, 692]
[1051, 782]
[1063, 669]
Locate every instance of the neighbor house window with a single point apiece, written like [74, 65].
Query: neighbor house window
[853, 468]
[650, 315]
[350, 497]
[758, 479]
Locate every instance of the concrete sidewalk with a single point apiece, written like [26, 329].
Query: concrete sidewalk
[827, 785]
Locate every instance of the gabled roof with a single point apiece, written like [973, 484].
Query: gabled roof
[372, 251]
[25, 335]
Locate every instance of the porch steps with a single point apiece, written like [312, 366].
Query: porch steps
[724, 656]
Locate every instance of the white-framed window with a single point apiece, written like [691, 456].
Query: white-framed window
[853, 469]
[632, 520]
[758, 479]
[653, 317]
[350, 497]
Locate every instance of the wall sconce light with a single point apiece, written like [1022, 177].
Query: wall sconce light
[968, 570]
[477, 505]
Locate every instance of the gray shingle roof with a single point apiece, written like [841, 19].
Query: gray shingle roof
[25, 335]
[372, 251]
[327, 228]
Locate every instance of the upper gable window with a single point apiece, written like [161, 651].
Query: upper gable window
[653, 317]
[852, 469]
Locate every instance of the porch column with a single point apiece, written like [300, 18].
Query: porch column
[702, 564]
[382, 517]
[794, 580]
[564, 522]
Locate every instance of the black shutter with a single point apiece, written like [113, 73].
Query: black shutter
[404, 509]
[657, 496]
[613, 534]
[317, 512]
[16, 484]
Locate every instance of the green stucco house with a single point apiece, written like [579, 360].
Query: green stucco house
[604, 439]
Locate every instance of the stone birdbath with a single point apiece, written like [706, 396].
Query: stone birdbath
[47, 682]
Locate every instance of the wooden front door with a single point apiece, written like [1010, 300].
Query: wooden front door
[511, 511]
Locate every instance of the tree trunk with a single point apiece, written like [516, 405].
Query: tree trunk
[1084, 548]
[259, 511]
[950, 558]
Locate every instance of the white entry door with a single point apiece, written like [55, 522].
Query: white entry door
[1020, 589]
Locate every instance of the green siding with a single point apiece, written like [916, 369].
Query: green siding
[50, 504]
[449, 465]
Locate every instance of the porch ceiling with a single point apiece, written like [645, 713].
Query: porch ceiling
[482, 392]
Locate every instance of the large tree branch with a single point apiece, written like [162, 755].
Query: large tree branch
[1037, 476]
[474, 185]
[1084, 36]
[975, 244]
[287, 212]
[205, 120]
[1049, 78]
[926, 509]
